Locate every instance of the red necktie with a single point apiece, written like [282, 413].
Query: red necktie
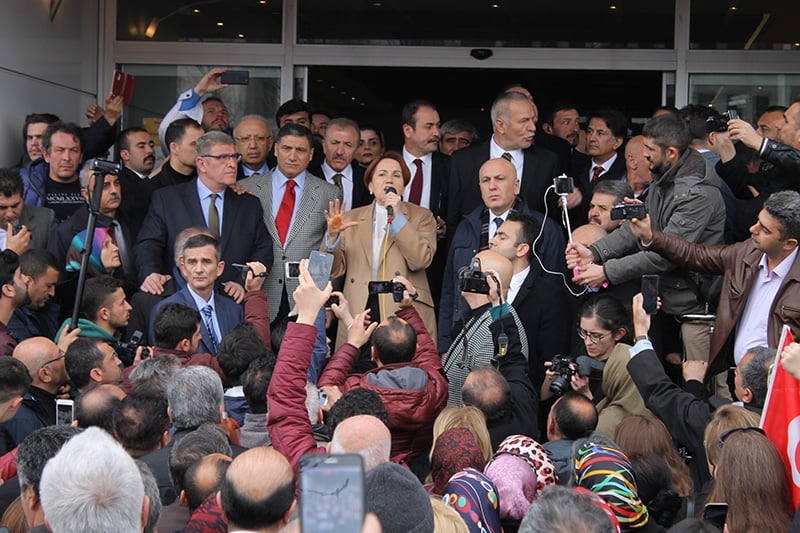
[415, 197]
[285, 211]
[596, 173]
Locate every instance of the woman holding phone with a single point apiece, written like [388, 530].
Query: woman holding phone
[382, 240]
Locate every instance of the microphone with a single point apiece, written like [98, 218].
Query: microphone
[390, 209]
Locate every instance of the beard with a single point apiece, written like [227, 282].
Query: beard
[660, 169]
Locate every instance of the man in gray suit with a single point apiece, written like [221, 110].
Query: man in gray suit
[21, 226]
[294, 202]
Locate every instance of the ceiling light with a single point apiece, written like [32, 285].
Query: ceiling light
[733, 7]
[612, 7]
[220, 24]
[262, 2]
[353, 98]
[241, 36]
[377, 4]
[196, 11]
[495, 5]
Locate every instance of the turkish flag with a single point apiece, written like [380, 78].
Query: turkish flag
[780, 419]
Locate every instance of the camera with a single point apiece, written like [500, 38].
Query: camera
[106, 167]
[384, 287]
[471, 279]
[126, 351]
[565, 367]
[628, 211]
[719, 123]
[563, 184]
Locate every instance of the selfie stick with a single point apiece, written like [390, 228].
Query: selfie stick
[99, 170]
[565, 211]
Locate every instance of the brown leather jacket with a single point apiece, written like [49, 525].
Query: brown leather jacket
[739, 265]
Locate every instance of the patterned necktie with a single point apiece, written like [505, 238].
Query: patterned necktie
[415, 196]
[213, 216]
[209, 323]
[596, 173]
[497, 223]
[337, 180]
[507, 156]
[285, 211]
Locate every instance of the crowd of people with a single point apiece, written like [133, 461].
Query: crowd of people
[171, 358]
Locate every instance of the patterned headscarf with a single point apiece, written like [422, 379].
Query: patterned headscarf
[533, 453]
[515, 482]
[96, 267]
[473, 495]
[455, 450]
[606, 471]
[600, 503]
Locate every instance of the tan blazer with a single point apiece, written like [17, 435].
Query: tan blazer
[408, 254]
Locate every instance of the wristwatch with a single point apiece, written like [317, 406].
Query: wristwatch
[640, 338]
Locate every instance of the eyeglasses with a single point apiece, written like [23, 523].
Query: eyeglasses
[61, 356]
[594, 338]
[224, 157]
[259, 139]
[730, 432]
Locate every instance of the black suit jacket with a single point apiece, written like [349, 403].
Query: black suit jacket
[361, 195]
[543, 308]
[464, 195]
[618, 171]
[172, 209]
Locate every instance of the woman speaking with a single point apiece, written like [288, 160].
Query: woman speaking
[382, 240]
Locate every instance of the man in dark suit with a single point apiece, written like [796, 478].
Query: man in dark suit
[293, 203]
[339, 146]
[541, 305]
[21, 226]
[254, 142]
[138, 157]
[606, 132]
[430, 173]
[201, 266]
[514, 123]
[237, 219]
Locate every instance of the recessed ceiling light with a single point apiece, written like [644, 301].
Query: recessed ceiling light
[495, 5]
[377, 4]
[353, 98]
[733, 7]
[612, 7]
[220, 24]
[262, 2]
[241, 36]
[196, 11]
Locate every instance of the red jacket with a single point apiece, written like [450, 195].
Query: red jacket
[287, 419]
[411, 410]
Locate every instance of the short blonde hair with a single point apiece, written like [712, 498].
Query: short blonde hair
[445, 518]
[464, 417]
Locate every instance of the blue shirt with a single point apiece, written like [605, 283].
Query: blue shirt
[205, 202]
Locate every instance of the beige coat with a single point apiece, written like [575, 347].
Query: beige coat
[408, 254]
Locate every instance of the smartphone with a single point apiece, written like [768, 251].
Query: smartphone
[65, 412]
[292, 269]
[331, 493]
[122, 85]
[319, 266]
[380, 287]
[650, 293]
[235, 77]
[563, 184]
[716, 513]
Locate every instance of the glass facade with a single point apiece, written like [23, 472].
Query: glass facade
[745, 25]
[501, 23]
[750, 94]
[241, 21]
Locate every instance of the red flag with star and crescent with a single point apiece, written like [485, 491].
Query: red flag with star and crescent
[780, 418]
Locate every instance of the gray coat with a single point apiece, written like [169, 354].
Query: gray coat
[685, 202]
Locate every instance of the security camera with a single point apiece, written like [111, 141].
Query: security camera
[480, 53]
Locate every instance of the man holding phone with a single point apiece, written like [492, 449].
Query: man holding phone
[686, 197]
[211, 113]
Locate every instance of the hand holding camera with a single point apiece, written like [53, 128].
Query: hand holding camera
[409, 292]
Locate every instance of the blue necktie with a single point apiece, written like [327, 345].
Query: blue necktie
[497, 223]
[209, 323]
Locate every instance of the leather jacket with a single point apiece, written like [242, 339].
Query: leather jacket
[739, 263]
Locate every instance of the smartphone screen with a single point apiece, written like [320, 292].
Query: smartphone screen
[331, 493]
[292, 270]
[650, 293]
[235, 77]
[716, 513]
[319, 266]
[64, 412]
[379, 287]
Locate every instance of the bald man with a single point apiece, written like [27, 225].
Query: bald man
[492, 333]
[364, 435]
[203, 479]
[499, 188]
[638, 168]
[588, 234]
[257, 491]
[45, 363]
